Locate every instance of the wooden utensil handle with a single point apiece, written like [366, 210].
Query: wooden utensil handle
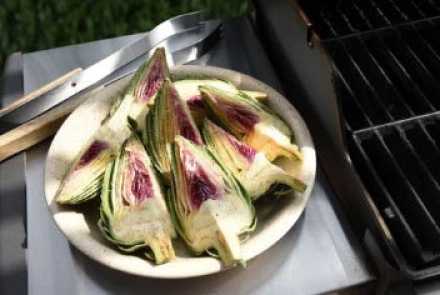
[41, 127]
[43, 89]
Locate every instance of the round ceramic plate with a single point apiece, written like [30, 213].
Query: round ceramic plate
[79, 223]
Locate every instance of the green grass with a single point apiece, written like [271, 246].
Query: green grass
[29, 25]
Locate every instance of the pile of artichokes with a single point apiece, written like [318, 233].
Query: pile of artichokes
[182, 158]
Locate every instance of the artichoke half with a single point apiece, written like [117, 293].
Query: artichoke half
[83, 180]
[169, 117]
[211, 209]
[189, 92]
[140, 95]
[133, 213]
[257, 174]
[252, 122]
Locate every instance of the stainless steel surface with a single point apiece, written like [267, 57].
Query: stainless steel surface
[431, 288]
[174, 29]
[316, 256]
[13, 270]
[11, 82]
[197, 47]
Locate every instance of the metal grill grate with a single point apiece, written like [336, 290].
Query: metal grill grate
[400, 165]
[388, 83]
[386, 59]
[387, 77]
[333, 19]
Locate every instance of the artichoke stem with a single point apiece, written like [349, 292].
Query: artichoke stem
[228, 247]
[162, 248]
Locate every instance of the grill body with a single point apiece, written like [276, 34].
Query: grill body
[366, 74]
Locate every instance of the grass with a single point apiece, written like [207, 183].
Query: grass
[29, 25]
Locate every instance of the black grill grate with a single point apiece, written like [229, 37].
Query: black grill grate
[386, 77]
[388, 84]
[386, 59]
[399, 163]
[332, 19]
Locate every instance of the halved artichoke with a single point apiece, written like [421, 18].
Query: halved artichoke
[211, 209]
[82, 182]
[189, 92]
[133, 212]
[169, 117]
[140, 94]
[257, 174]
[252, 122]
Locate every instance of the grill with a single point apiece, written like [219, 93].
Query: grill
[333, 19]
[386, 62]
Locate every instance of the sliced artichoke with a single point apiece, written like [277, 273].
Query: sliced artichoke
[140, 94]
[83, 180]
[263, 176]
[232, 153]
[257, 174]
[169, 117]
[133, 211]
[252, 122]
[211, 208]
[189, 92]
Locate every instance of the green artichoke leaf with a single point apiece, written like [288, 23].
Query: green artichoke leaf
[257, 174]
[212, 209]
[257, 95]
[168, 117]
[134, 213]
[252, 122]
[83, 180]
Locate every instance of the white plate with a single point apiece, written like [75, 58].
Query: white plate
[79, 224]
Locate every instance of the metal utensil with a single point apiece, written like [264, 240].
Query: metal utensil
[201, 39]
[39, 118]
[33, 105]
